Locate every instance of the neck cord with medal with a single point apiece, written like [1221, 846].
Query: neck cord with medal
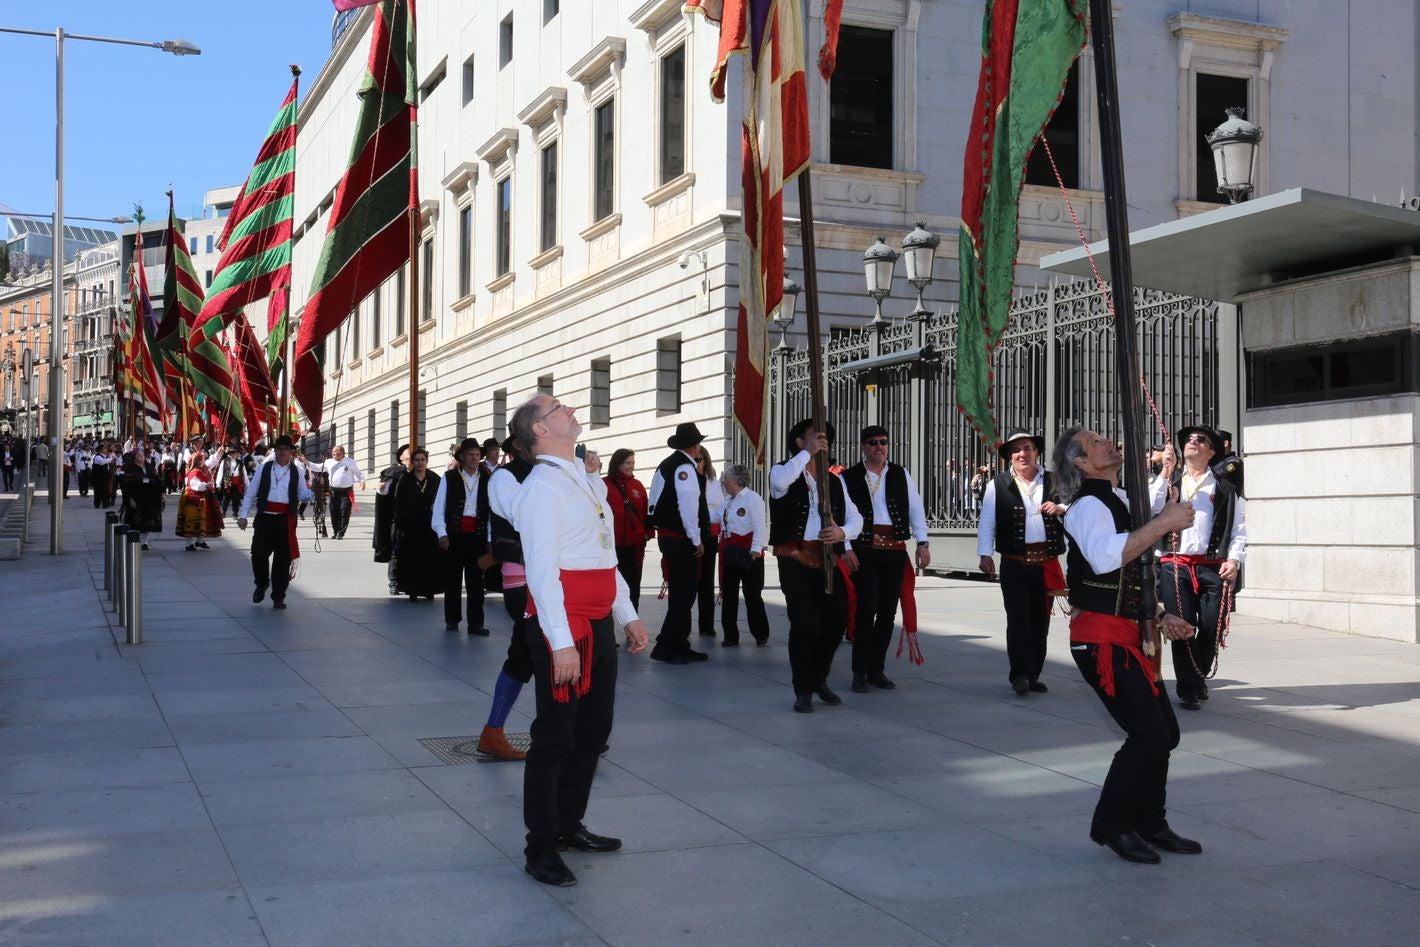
[585, 489]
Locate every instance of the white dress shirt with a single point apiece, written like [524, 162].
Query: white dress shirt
[1200, 494]
[714, 499]
[279, 491]
[687, 491]
[1089, 526]
[782, 477]
[916, 514]
[441, 501]
[343, 473]
[743, 514]
[564, 522]
[1032, 496]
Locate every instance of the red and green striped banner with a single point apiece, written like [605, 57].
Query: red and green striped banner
[256, 244]
[367, 238]
[1027, 47]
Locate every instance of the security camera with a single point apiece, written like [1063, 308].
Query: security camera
[691, 255]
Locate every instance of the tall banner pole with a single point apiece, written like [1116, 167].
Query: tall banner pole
[415, 317]
[1126, 351]
[818, 401]
[287, 343]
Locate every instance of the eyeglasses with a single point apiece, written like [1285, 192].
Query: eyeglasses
[553, 410]
[876, 442]
[1196, 439]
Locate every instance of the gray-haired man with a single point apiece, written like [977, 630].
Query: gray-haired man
[745, 529]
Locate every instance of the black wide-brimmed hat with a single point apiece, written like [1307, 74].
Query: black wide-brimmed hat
[465, 445]
[283, 441]
[1005, 449]
[1214, 440]
[686, 435]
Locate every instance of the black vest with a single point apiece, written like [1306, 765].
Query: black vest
[1120, 592]
[665, 514]
[789, 514]
[895, 483]
[507, 545]
[265, 484]
[1225, 501]
[1011, 518]
[455, 497]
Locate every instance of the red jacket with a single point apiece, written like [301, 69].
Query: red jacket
[627, 498]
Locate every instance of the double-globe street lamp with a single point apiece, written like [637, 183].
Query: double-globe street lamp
[919, 252]
[178, 47]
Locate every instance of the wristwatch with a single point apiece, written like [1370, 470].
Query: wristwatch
[922, 543]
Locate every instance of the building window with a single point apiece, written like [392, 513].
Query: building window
[468, 81]
[1352, 368]
[374, 323]
[500, 413]
[209, 279]
[399, 302]
[1214, 94]
[394, 429]
[668, 375]
[370, 439]
[192, 245]
[1063, 134]
[601, 392]
[461, 420]
[505, 227]
[433, 82]
[550, 9]
[211, 240]
[505, 41]
[604, 159]
[547, 237]
[544, 385]
[673, 114]
[350, 433]
[353, 336]
[465, 251]
[423, 420]
[426, 288]
[860, 130]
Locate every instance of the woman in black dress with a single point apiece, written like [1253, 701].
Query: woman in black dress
[142, 494]
[419, 564]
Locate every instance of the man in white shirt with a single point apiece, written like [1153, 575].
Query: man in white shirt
[743, 527]
[344, 473]
[1200, 569]
[577, 596]
[460, 520]
[275, 492]
[678, 509]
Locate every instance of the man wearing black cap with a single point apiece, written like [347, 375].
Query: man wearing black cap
[460, 520]
[1229, 466]
[276, 491]
[1205, 557]
[677, 507]
[801, 539]
[892, 512]
[1021, 521]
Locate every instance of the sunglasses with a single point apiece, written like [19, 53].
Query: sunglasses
[876, 442]
[1196, 439]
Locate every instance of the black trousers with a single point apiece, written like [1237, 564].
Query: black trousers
[230, 497]
[9, 475]
[629, 562]
[753, 584]
[682, 578]
[84, 477]
[1027, 620]
[1132, 798]
[518, 664]
[340, 509]
[271, 553]
[878, 583]
[1193, 655]
[461, 569]
[705, 586]
[567, 740]
[816, 623]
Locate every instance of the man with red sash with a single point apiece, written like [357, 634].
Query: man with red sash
[891, 506]
[743, 528]
[1106, 596]
[676, 503]
[276, 492]
[1195, 569]
[575, 597]
[460, 520]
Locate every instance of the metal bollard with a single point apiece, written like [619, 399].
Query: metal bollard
[110, 518]
[120, 532]
[133, 576]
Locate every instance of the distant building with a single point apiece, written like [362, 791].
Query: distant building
[35, 239]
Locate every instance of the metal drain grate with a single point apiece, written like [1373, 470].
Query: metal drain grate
[459, 750]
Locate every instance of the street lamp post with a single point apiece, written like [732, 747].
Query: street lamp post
[878, 264]
[1235, 146]
[55, 433]
[919, 252]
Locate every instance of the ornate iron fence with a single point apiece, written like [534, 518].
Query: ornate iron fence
[1054, 368]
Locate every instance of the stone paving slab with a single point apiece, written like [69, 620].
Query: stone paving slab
[249, 776]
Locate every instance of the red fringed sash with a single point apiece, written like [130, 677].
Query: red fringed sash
[1190, 565]
[908, 594]
[587, 594]
[743, 540]
[285, 510]
[1110, 632]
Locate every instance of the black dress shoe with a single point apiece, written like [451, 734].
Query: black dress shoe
[1170, 841]
[550, 869]
[693, 656]
[1038, 687]
[761, 642]
[669, 658]
[828, 696]
[804, 704]
[584, 841]
[1202, 691]
[1127, 845]
[278, 603]
[260, 592]
[1189, 701]
[481, 632]
[859, 685]
[1020, 685]
[880, 680]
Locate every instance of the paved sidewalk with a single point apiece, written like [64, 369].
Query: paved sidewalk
[249, 777]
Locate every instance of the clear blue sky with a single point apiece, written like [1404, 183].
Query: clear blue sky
[138, 121]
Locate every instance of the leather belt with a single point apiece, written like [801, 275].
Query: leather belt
[1033, 555]
[884, 539]
[806, 552]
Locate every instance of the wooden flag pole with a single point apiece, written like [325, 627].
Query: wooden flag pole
[284, 396]
[818, 401]
[414, 318]
[1126, 355]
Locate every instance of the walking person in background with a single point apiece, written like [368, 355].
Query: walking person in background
[101, 473]
[275, 492]
[384, 535]
[8, 462]
[344, 473]
[627, 496]
[420, 571]
[744, 534]
[682, 520]
[83, 465]
[460, 520]
[142, 495]
[709, 563]
[199, 518]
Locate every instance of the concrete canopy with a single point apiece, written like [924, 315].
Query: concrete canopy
[1235, 249]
